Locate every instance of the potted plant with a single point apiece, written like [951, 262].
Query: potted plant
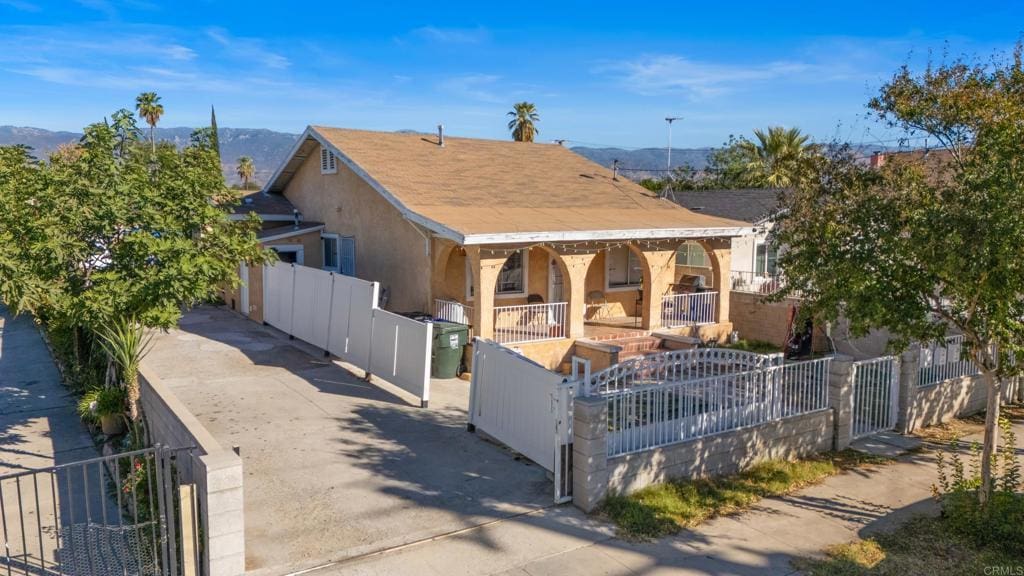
[126, 341]
[105, 406]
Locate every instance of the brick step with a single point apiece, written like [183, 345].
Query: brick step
[638, 344]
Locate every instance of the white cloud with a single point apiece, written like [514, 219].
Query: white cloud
[452, 35]
[668, 74]
[473, 87]
[20, 5]
[247, 49]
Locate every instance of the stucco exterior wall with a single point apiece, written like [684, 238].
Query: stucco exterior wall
[388, 248]
[755, 319]
[616, 302]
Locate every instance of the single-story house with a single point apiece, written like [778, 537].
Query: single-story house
[530, 244]
[753, 255]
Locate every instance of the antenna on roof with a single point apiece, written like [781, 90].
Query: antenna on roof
[668, 190]
[670, 120]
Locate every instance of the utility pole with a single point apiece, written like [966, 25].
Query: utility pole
[670, 120]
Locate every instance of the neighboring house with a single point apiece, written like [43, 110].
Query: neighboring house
[530, 244]
[753, 255]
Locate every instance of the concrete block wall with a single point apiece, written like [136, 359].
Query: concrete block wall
[595, 475]
[937, 403]
[840, 398]
[215, 471]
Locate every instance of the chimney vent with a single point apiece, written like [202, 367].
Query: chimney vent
[440, 135]
[297, 216]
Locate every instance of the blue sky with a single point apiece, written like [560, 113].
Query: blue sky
[600, 73]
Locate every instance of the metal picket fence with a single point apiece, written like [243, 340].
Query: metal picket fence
[127, 514]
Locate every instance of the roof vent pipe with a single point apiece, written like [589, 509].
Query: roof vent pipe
[297, 216]
[440, 135]
[615, 169]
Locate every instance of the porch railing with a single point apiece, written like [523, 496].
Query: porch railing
[688, 309]
[751, 283]
[452, 311]
[529, 322]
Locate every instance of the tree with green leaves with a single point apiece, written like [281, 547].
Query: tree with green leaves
[95, 235]
[245, 170]
[214, 134]
[150, 109]
[523, 124]
[919, 255]
[778, 157]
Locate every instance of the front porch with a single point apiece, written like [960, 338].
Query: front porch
[541, 298]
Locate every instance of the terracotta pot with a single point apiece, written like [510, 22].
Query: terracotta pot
[112, 424]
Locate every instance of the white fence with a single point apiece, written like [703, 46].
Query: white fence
[688, 309]
[400, 352]
[677, 366]
[751, 283]
[452, 311]
[529, 322]
[339, 314]
[657, 414]
[945, 361]
[525, 406]
[875, 395]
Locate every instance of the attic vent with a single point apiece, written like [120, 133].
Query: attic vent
[328, 162]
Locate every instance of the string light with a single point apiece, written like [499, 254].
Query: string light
[592, 246]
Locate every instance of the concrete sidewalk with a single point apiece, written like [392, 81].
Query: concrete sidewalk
[38, 423]
[563, 541]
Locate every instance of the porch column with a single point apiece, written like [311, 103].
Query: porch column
[441, 250]
[485, 268]
[577, 266]
[720, 251]
[659, 272]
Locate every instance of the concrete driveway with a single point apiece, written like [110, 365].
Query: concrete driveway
[336, 467]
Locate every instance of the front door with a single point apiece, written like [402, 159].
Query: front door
[555, 282]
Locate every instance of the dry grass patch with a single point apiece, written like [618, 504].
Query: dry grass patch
[665, 508]
[922, 545]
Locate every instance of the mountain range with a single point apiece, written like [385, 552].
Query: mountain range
[268, 149]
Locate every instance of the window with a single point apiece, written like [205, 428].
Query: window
[693, 255]
[347, 256]
[289, 253]
[765, 262]
[329, 244]
[328, 162]
[511, 278]
[622, 268]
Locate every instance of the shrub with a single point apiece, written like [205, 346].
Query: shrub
[99, 402]
[999, 522]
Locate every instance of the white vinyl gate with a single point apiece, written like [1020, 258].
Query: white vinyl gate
[875, 395]
[524, 406]
[339, 314]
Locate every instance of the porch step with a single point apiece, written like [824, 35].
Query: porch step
[639, 344]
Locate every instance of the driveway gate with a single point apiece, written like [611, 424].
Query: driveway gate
[526, 407]
[875, 395]
[125, 514]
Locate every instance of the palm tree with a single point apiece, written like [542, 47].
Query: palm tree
[150, 109]
[524, 115]
[245, 170]
[778, 156]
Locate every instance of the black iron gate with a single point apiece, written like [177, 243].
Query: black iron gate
[127, 514]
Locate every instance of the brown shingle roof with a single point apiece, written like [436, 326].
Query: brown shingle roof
[490, 188]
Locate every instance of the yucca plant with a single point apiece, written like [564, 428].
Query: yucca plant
[126, 342]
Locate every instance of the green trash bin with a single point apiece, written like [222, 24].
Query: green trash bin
[449, 338]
